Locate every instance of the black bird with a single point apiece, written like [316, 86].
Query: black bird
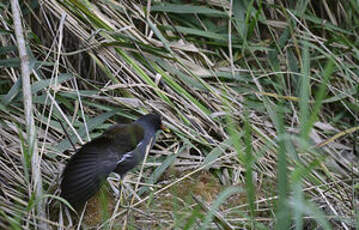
[119, 149]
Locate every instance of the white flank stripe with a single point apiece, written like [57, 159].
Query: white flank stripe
[124, 157]
[128, 154]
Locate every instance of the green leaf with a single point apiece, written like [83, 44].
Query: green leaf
[200, 33]
[91, 124]
[216, 152]
[187, 9]
[45, 83]
[13, 92]
[10, 62]
[162, 168]
[7, 49]
[220, 200]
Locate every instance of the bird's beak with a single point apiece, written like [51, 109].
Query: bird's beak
[165, 129]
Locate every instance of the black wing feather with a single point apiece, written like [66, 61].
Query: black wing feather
[91, 165]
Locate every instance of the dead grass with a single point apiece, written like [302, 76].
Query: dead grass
[232, 94]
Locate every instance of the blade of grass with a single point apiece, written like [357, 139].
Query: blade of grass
[283, 213]
[249, 161]
[186, 9]
[220, 200]
[304, 97]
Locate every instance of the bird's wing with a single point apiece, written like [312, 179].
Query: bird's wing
[125, 137]
[91, 165]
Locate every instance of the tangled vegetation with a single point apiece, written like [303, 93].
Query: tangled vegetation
[261, 97]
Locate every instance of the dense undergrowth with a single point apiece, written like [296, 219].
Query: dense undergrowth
[261, 98]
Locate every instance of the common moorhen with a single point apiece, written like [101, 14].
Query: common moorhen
[119, 149]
